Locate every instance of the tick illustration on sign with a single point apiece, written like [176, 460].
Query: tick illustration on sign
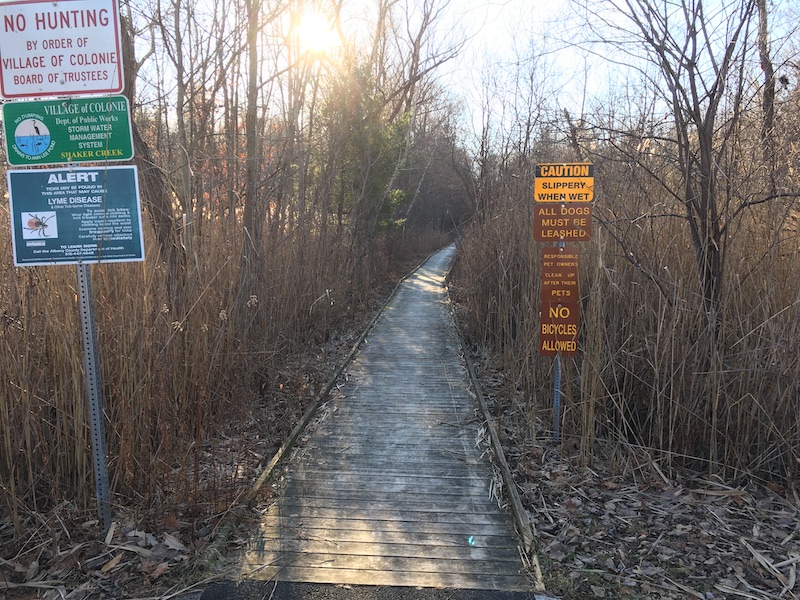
[38, 224]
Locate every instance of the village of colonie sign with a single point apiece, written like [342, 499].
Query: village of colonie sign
[68, 130]
[59, 48]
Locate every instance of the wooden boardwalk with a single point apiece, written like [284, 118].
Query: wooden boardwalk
[389, 486]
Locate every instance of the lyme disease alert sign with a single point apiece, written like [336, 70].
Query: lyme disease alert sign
[76, 215]
[59, 48]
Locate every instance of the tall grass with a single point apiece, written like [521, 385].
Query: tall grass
[650, 372]
[180, 385]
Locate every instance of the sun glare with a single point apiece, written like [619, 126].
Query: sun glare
[316, 34]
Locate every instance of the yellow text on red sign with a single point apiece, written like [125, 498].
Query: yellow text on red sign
[562, 222]
[558, 328]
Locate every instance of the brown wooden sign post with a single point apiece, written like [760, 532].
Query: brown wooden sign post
[563, 213]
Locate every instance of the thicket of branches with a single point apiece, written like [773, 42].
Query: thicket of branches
[689, 293]
[280, 189]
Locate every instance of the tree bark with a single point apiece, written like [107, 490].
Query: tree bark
[251, 239]
[768, 97]
[154, 187]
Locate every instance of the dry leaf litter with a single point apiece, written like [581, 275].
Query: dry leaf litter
[623, 528]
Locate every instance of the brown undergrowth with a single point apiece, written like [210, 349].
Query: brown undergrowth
[158, 552]
[168, 550]
[623, 528]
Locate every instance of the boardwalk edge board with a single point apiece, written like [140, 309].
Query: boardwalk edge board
[521, 517]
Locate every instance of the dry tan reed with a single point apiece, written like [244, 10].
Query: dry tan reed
[651, 373]
[180, 381]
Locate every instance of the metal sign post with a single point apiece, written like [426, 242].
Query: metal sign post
[557, 386]
[75, 215]
[95, 393]
[556, 397]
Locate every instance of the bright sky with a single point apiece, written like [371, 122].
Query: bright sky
[504, 31]
[496, 31]
[501, 30]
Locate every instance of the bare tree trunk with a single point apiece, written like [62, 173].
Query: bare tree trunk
[251, 240]
[574, 140]
[185, 195]
[697, 75]
[768, 97]
[155, 187]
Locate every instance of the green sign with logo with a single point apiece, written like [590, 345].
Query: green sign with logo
[70, 130]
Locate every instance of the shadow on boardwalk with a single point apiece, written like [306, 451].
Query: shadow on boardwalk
[389, 487]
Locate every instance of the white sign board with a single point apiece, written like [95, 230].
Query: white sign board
[61, 48]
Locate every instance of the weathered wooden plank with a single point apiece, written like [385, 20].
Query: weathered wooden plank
[421, 544]
[345, 448]
[358, 465]
[380, 441]
[272, 547]
[345, 493]
[443, 477]
[396, 525]
[430, 465]
[399, 490]
[349, 468]
[383, 424]
[359, 508]
[408, 490]
[429, 478]
[391, 578]
[433, 520]
[438, 539]
[331, 560]
[417, 504]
